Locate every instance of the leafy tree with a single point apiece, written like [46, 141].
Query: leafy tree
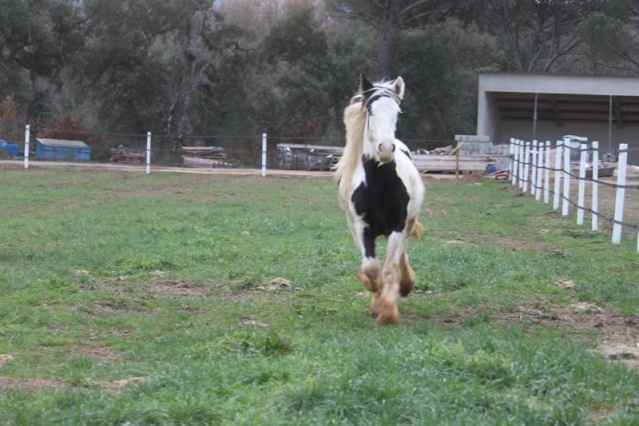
[37, 40]
[439, 65]
[146, 59]
[391, 17]
[613, 47]
[294, 101]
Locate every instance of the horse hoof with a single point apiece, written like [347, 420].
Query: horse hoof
[368, 284]
[405, 290]
[388, 320]
[375, 305]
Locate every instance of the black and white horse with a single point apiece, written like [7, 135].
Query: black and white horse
[381, 191]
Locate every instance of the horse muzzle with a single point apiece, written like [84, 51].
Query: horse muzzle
[385, 152]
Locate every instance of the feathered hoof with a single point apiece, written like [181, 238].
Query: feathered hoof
[406, 285]
[375, 304]
[368, 284]
[388, 315]
[388, 319]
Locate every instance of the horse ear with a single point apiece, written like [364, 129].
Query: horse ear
[364, 84]
[399, 87]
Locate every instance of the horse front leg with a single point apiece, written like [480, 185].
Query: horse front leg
[392, 279]
[370, 272]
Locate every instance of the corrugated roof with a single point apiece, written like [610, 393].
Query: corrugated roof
[62, 143]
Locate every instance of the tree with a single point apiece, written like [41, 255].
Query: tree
[613, 45]
[391, 17]
[292, 98]
[37, 40]
[146, 59]
[538, 33]
[439, 65]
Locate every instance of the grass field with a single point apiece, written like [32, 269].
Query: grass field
[207, 299]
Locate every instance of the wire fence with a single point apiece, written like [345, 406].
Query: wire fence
[193, 151]
[573, 176]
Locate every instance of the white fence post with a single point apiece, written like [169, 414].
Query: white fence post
[581, 197]
[533, 162]
[27, 136]
[526, 174]
[558, 156]
[621, 193]
[511, 160]
[520, 175]
[565, 206]
[595, 185]
[547, 173]
[148, 152]
[263, 154]
[540, 170]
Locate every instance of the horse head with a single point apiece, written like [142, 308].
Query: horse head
[381, 101]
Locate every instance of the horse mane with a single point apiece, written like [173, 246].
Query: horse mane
[355, 118]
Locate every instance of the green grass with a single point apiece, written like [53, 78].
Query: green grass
[108, 276]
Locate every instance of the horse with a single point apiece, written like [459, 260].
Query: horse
[381, 191]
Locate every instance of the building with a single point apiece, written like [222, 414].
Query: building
[548, 107]
[62, 150]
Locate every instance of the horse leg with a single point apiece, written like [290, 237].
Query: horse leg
[391, 277]
[407, 276]
[370, 273]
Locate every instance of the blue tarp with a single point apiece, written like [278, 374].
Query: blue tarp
[12, 149]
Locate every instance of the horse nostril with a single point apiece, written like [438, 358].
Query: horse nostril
[393, 147]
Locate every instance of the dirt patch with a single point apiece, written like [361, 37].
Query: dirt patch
[28, 385]
[178, 289]
[35, 384]
[617, 335]
[103, 354]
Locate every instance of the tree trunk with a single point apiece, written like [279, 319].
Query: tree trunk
[390, 31]
[177, 123]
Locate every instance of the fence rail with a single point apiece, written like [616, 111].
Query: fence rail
[533, 168]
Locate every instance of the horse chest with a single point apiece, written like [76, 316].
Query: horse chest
[382, 199]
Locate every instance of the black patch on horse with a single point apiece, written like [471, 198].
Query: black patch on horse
[382, 201]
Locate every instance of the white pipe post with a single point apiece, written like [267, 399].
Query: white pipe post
[520, 176]
[621, 192]
[595, 186]
[558, 155]
[511, 158]
[513, 175]
[581, 197]
[540, 170]
[148, 152]
[516, 165]
[263, 154]
[547, 173]
[27, 136]
[533, 178]
[526, 173]
[565, 207]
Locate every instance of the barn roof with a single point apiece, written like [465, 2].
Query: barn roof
[62, 143]
[564, 98]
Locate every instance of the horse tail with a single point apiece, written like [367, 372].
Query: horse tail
[416, 233]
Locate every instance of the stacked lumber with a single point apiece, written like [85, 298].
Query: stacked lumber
[122, 154]
[427, 163]
[205, 157]
[307, 157]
